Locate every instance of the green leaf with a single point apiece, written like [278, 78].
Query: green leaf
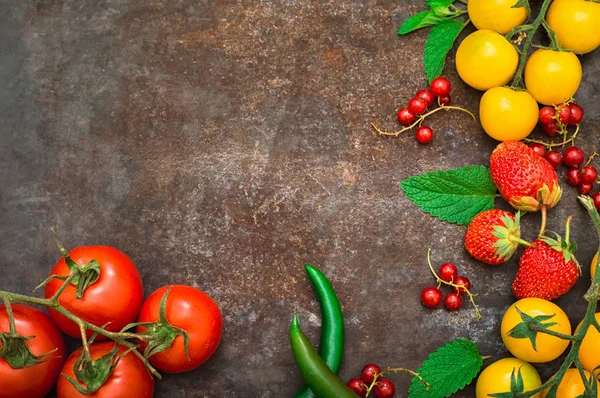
[455, 195]
[439, 3]
[439, 42]
[418, 21]
[447, 370]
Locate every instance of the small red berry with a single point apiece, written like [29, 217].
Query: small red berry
[555, 158]
[405, 116]
[440, 86]
[358, 386]
[564, 113]
[445, 100]
[384, 389]
[431, 297]
[576, 114]
[596, 198]
[573, 156]
[453, 301]
[424, 134]
[585, 188]
[464, 284]
[368, 373]
[448, 272]
[551, 129]
[426, 96]
[417, 106]
[573, 176]
[589, 174]
[547, 114]
[538, 148]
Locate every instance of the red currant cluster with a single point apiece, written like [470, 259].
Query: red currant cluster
[440, 89]
[555, 119]
[573, 157]
[431, 296]
[370, 380]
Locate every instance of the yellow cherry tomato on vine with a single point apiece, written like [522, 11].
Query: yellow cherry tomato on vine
[496, 377]
[496, 15]
[552, 77]
[486, 59]
[590, 348]
[571, 384]
[576, 24]
[593, 266]
[508, 114]
[548, 347]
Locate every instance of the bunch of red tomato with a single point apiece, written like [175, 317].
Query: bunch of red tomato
[113, 301]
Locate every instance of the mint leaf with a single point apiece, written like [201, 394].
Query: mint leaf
[439, 42]
[418, 21]
[447, 370]
[441, 3]
[455, 195]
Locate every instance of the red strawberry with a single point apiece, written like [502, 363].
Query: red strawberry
[493, 236]
[525, 180]
[548, 269]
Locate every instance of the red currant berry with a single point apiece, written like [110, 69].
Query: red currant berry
[426, 96]
[540, 149]
[358, 387]
[368, 373]
[564, 114]
[431, 297]
[555, 158]
[551, 129]
[589, 174]
[405, 116]
[417, 106]
[573, 156]
[424, 134]
[440, 86]
[596, 198]
[576, 114]
[453, 301]
[573, 176]
[585, 188]
[384, 389]
[448, 272]
[445, 100]
[464, 284]
[547, 114]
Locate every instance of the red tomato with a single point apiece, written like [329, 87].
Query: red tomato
[193, 311]
[129, 378]
[115, 297]
[34, 381]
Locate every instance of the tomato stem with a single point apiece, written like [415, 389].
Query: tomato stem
[11, 317]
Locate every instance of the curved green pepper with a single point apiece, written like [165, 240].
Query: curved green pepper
[331, 344]
[316, 373]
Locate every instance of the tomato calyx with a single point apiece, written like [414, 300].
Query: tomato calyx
[15, 350]
[161, 333]
[94, 373]
[531, 326]
[517, 385]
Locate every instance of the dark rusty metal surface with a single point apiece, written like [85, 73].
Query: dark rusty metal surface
[224, 144]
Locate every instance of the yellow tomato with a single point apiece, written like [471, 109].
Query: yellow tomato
[593, 266]
[571, 385]
[548, 347]
[552, 77]
[496, 14]
[576, 24]
[485, 59]
[507, 114]
[590, 348]
[496, 377]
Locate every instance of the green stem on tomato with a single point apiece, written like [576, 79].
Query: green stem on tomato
[9, 312]
[74, 273]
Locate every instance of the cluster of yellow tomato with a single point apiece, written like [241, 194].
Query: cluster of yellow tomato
[496, 378]
[486, 60]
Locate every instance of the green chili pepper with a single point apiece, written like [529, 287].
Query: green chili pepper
[321, 380]
[331, 344]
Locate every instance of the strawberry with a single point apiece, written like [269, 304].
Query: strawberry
[493, 236]
[525, 180]
[548, 269]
